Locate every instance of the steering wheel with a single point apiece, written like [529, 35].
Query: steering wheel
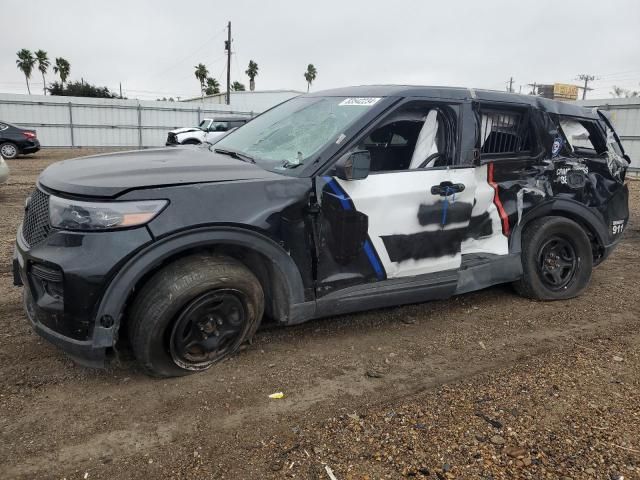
[431, 157]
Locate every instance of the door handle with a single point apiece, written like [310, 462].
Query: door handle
[447, 188]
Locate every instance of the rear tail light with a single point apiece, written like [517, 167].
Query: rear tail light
[29, 135]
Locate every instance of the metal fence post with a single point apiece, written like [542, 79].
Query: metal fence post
[139, 126]
[73, 143]
[199, 115]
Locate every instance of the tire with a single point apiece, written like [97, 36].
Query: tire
[556, 260]
[212, 302]
[9, 150]
[191, 141]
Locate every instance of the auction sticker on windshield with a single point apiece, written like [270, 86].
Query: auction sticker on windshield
[360, 101]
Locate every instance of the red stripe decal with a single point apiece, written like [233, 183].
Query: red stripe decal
[498, 203]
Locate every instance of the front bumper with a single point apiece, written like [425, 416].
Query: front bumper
[64, 278]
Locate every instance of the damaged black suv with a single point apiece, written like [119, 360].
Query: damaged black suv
[332, 202]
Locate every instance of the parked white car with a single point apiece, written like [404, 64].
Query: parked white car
[209, 131]
[4, 171]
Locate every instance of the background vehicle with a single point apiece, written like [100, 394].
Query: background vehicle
[4, 171]
[209, 130]
[16, 141]
[332, 202]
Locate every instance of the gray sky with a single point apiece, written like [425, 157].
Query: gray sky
[153, 46]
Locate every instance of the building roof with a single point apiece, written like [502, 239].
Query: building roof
[242, 92]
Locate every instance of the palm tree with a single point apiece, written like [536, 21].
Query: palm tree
[213, 86]
[43, 66]
[252, 73]
[201, 74]
[25, 64]
[620, 92]
[310, 75]
[63, 69]
[238, 87]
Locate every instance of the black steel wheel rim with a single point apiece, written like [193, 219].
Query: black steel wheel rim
[557, 262]
[208, 327]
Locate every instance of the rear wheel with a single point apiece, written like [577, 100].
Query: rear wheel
[193, 313]
[9, 150]
[556, 260]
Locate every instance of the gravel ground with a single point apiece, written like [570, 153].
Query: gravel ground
[487, 385]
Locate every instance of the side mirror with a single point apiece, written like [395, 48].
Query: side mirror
[354, 165]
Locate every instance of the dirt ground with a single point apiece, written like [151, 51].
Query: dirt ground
[487, 385]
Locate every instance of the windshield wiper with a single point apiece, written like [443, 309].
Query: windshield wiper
[235, 154]
[290, 165]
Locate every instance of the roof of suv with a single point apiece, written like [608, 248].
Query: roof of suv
[227, 119]
[460, 93]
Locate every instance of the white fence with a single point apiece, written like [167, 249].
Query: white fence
[98, 122]
[625, 116]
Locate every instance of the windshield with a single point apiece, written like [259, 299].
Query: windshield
[290, 134]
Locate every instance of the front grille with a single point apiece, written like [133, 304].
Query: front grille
[36, 226]
[171, 138]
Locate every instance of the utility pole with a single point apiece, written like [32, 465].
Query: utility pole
[120, 89]
[587, 78]
[534, 87]
[227, 45]
[510, 89]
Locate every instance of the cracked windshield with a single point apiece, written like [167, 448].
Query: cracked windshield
[288, 135]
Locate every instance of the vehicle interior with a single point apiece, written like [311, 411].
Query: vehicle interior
[504, 132]
[414, 137]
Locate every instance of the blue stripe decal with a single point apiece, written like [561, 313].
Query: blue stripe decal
[368, 248]
[373, 259]
[342, 195]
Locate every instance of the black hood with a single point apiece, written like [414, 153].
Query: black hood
[112, 174]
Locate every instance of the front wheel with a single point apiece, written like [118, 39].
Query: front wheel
[556, 259]
[193, 313]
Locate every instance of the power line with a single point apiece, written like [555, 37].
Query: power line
[587, 78]
[191, 54]
[228, 45]
[510, 87]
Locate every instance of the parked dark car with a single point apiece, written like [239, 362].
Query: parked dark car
[16, 141]
[332, 202]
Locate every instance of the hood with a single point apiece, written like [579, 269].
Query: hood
[112, 174]
[186, 129]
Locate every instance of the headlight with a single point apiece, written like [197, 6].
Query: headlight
[76, 215]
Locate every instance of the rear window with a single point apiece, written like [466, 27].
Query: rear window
[582, 137]
[504, 132]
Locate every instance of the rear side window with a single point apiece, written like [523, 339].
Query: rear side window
[505, 133]
[582, 137]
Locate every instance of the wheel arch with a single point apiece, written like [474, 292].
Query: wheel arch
[191, 141]
[275, 269]
[589, 220]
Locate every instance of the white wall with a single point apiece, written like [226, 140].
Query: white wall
[625, 116]
[257, 101]
[101, 122]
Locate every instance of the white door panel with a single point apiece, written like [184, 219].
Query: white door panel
[496, 243]
[392, 202]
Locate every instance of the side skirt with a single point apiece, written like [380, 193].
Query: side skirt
[386, 293]
[477, 271]
[480, 271]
